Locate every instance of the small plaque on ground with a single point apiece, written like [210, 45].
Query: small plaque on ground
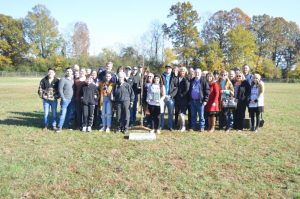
[142, 136]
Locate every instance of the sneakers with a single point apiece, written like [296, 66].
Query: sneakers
[152, 131]
[45, 129]
[58, 131]
[157, 131]
[83, 129]
[107, 130]
[201, 129]
[89, 129]
[102, 129]
[182, 129]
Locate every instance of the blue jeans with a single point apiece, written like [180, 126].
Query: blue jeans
[47, 104]
[106, 112]
[197, 107]
[71, 112]
[63, 113]
[133, 110]
[170, 105]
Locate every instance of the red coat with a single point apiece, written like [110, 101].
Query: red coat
[214, 97]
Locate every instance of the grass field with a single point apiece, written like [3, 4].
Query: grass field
[37, 164]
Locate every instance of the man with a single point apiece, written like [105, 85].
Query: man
[231, 75]
[102, 74]
[136, 87]
[123, 97]
[199, 93]
[65, 88]
[48, 91]
[78, 84]
[171, 84]
[248, 75]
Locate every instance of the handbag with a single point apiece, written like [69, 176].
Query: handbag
[229, 103]
[262, 121]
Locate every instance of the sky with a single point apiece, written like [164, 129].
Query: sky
[117, 23]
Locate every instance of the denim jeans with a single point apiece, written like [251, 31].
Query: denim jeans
[63, 113]
[197, 107]
[106, 112]
[226, 118]
[47, 104]
[170, 105]
[133, 110]
[71, 113]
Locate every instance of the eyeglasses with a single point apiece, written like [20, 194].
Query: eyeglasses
[150, 77]
[238, 76]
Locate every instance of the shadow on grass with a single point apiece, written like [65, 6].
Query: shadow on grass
[28, 119]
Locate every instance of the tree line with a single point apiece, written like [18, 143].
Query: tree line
[270, 45]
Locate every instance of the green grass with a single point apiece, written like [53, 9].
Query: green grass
[37, 164]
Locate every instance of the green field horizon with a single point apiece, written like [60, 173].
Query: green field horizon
[38, 164]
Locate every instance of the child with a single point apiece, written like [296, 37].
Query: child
[89, 96]
[155, 95]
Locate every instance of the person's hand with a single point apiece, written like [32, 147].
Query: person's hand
[214, 104]
[131, 105]
[204, 103]
[95, 96]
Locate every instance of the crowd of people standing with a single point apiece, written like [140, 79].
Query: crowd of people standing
[194, 100]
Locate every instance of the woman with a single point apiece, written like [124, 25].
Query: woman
[256, 101]
[227, 91]
[241, 94]
[123, 97]
[212, 106]
[97, 112]
[182, 98]
[105, 105]
[155, 94]
[147, 117]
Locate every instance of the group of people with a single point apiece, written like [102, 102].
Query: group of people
[193, 99]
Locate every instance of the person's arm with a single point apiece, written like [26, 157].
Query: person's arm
[174, 82]
[206, 92]
[41, 89]
[61, 88]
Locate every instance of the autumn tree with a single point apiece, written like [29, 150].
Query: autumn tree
[41, 31]
[241, 47]
[183, 31]
[220, 23]
[13, 47]
[211, 57]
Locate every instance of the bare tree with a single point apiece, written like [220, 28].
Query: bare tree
[81, 40]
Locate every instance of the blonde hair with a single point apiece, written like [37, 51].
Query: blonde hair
[241, 74]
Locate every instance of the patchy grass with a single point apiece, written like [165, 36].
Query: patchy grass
[37, 164]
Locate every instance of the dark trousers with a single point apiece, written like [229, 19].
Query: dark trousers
[226, 119]
[88, 115]
[123, 114]
[155, 115]
[78, 107]
[239, 116]
[254, 113]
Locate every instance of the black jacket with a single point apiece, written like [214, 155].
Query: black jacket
[122, 92]
[48, 90]
[244, 92]
[88, 93]
[136, 84]
[204, 90]
[182, 96]
[173, 84]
